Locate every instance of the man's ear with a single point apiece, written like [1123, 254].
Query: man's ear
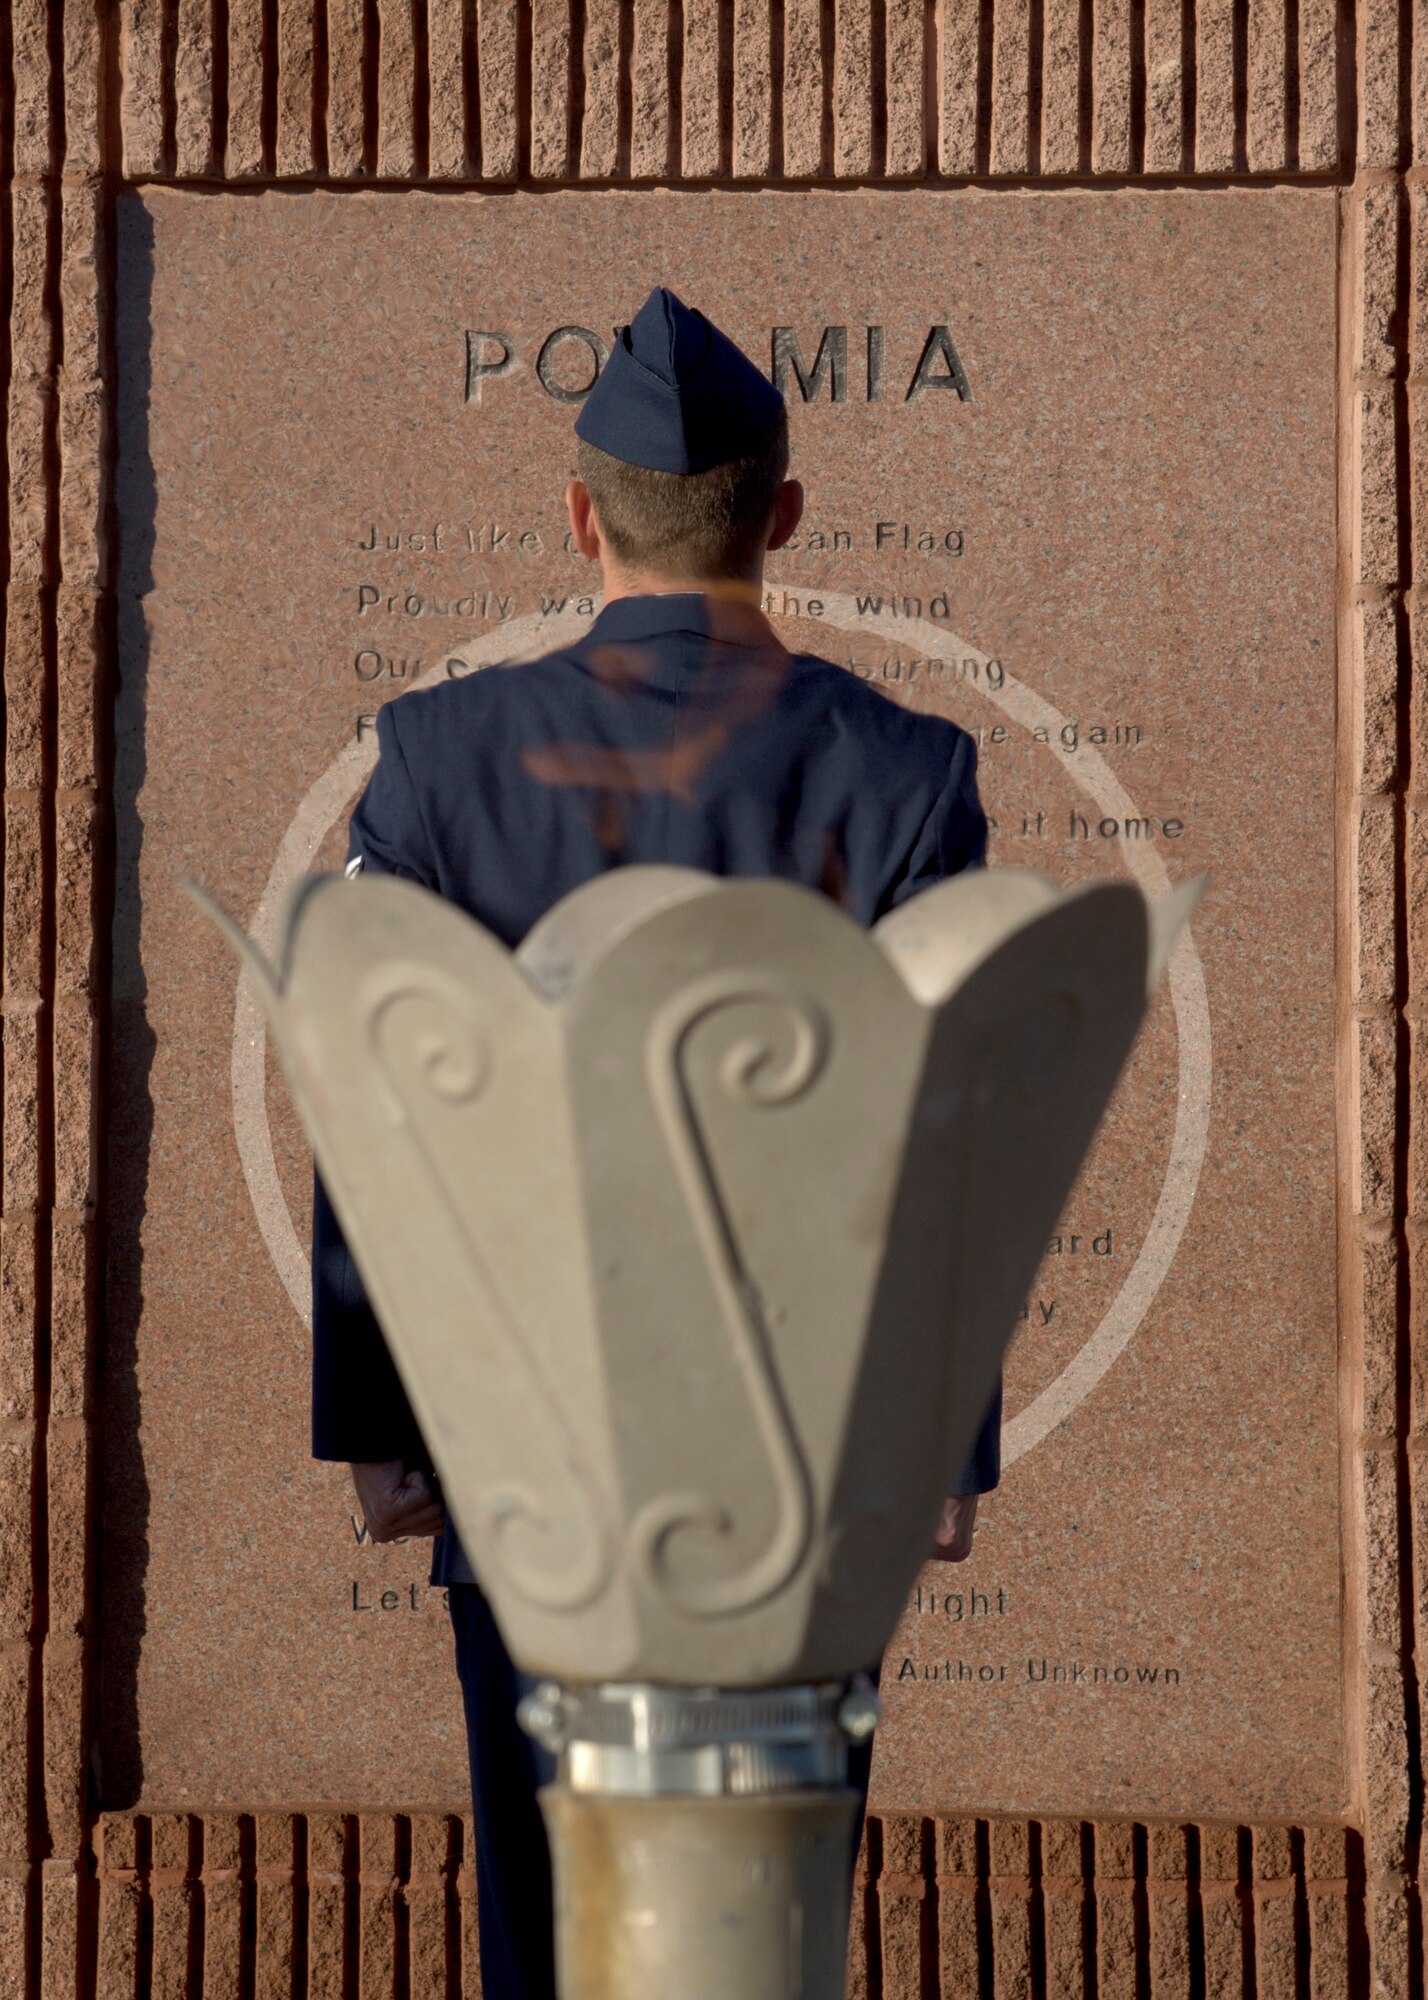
[584, 528]
[788, 512]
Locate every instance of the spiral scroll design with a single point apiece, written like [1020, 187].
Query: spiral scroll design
[418, 1021]
[763, 1076]
[427, 1039]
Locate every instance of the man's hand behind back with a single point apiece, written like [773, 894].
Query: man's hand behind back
[956, 1528]
[396, 1501]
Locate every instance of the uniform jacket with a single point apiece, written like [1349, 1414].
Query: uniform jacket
[679, 730]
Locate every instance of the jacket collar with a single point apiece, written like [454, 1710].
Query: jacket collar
[723, 621]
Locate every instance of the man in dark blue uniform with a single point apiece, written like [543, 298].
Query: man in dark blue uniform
[679, 730]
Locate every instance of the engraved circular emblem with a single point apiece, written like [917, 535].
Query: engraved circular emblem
[337, 788]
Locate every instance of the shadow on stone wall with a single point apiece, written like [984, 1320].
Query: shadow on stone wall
[124, 1540]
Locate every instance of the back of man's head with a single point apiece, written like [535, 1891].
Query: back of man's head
[700, 525]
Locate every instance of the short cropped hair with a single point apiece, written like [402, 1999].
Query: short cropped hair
[696, 524]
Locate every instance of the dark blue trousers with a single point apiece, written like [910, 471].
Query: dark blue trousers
[507, 1769]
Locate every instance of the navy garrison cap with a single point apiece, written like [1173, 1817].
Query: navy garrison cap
[677, 395]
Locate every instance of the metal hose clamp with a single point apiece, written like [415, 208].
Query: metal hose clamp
[638, 1739]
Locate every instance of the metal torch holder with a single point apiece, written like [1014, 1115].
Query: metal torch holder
[701, 1838]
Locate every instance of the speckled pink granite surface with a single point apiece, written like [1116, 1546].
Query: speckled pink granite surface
[1141, 488]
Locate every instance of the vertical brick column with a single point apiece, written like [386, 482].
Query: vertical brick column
[1266, 98]
[550, 28]
[33, 201]
[852, 101]
[1408, 743]
[222, 1888]
[649, 91]
[1377, 565]
[174, 1898]
[431, 1899]
[1111, 69]
[1275, 1946]
[83, 614]
[193, 89]
[600, 59]
[1222, 1912]
[377, 1907]
[121, 1907]
[56, 610]
[1011, 92]
[805, 84]
[753, 132]
[141, 29]
[244, 156]
[450, 45]
[466, 1896]
[1165, 136]
[1172, 1967]
[397, 138]
[326, 1902]
[958, 1890]
[702, 91]
[1215, 139]
[295, 59]
[1326, 1894]
[346, 107]
[1066, 1908]
[905, 84]
[1116, 1952]
[1318, 57]
[902, 1890]
[1010, 1882]
[497, 41]
[274, 1847]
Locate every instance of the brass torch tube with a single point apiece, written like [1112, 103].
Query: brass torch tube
[701, 1898]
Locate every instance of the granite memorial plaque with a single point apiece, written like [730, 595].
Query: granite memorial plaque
[1070, 461]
